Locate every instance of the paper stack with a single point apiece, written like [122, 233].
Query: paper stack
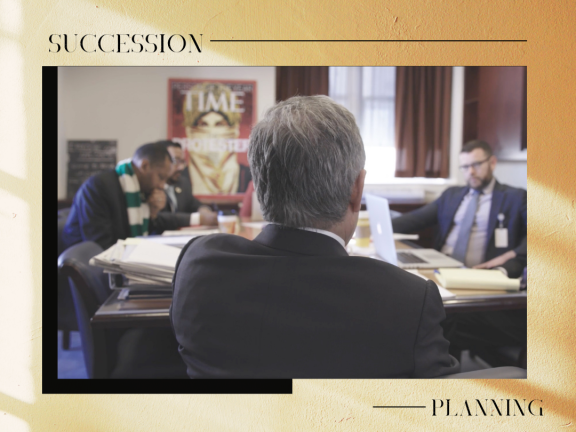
[183, 232]
[476, 279]
[140, 260]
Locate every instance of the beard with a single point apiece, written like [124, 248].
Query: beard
[483, 183]
[174, 179]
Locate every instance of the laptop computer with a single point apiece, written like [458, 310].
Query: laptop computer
[382, 235]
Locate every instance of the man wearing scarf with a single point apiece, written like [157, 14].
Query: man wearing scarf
[124, 202]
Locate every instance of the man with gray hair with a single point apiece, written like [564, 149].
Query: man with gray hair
[292, 303]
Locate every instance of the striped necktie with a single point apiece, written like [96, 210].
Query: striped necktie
[461, 246]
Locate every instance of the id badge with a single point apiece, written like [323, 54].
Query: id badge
[501, 237]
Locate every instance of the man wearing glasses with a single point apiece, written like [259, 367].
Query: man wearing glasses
[482, 224]
[179, 198]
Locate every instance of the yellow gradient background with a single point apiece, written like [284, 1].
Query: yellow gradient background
[316, 405]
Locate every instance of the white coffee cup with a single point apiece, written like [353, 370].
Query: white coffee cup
[227, 223]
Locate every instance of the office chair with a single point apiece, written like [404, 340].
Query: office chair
[66, 314]
[502, 356]
[122, 353]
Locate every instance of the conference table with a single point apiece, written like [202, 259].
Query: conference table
[120, 312]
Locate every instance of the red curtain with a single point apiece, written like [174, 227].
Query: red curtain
[301, 81]
[423, 99]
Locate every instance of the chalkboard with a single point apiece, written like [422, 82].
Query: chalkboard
[86, 158]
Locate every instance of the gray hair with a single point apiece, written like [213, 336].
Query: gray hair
[305, 155]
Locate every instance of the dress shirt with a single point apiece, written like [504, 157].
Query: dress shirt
[326, 233]
[171, 195]
[479, 234]
[173, 202]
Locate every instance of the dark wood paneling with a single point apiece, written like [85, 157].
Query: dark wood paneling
[524, 117]
[495, 109]
[471, 83]
[470, 120]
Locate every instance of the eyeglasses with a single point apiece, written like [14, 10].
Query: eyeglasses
[179, 162]
[474, 165]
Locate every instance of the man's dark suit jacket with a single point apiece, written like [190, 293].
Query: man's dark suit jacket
[293, 304]
[99, 213]
[507, 200]
[185, 201]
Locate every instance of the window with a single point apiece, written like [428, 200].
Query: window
[368, 92]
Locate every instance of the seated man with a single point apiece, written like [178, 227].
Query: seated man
[483, 225]
[178, 190]
[493, 234]
[124, 202]
[292, 303]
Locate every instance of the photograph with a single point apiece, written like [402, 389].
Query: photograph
[303, 222]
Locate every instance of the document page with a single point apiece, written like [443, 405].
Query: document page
[154, 254]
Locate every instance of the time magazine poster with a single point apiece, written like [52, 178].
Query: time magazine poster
[212, 121]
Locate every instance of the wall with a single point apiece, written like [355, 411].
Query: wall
[110, 103]
[513, 173]
[129, 104]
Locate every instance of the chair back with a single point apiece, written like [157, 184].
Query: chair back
[505, 372]
[90, 289]
[62, 218]
[66, 315]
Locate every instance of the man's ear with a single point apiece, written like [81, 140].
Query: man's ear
[144, 165]
[357, 189]
[493, 160]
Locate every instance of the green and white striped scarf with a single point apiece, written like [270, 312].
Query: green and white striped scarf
[138, 211]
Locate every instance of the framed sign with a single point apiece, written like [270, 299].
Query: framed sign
[212, 121]
[86, 158]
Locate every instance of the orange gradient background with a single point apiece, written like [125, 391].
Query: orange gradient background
[315, 405]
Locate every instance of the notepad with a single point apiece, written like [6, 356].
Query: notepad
[476, 279]
[444, 293]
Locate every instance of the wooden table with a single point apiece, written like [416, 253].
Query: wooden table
[116, 313]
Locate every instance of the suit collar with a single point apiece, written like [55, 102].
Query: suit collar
[299, 241]
[499, 186]
[490, 188]
[455, 203]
